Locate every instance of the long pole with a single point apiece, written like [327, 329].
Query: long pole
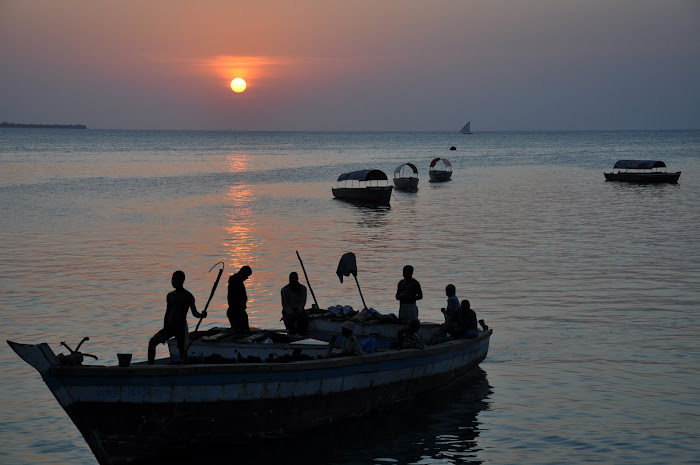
[358, 288]
[213, 289]
[307, 279]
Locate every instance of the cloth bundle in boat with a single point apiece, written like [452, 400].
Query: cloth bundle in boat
[347, 266]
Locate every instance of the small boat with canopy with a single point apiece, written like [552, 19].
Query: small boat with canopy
[642, 172]
[364, 186]
[406, 177]
[440, 170]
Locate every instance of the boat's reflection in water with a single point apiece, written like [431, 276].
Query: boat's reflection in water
[441, 427]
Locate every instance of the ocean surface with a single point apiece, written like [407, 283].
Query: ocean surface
[592, 288]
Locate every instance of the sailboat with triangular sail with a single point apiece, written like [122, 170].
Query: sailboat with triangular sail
[467, 129]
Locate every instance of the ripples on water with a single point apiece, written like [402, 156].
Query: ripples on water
[591, 287]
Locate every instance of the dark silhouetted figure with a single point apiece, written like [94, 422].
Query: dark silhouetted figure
[179, 302]
[465, 324]
[407, 293]
[351, 346]
[237, 300]
[293, 304]
[408, 337]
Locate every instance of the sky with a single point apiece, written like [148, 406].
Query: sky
[360, 65]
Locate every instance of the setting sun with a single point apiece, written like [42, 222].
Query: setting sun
[238, 85]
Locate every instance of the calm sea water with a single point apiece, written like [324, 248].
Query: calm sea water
[592, 288]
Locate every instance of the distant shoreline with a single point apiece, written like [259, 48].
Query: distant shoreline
[5, 124]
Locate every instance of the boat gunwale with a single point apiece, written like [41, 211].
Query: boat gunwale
[254, 367]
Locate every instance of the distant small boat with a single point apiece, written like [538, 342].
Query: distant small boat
[361, 188]
[406, 177]
[467, 129]
[642, 172]
[442, 172]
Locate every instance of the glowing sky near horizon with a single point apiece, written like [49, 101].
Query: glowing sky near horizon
[361, 65]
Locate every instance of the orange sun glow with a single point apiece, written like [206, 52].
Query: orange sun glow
[238, 85]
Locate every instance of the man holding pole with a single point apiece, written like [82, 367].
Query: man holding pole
[293, 304]
[179, 302]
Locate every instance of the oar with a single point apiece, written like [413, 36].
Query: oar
[213, 289]
[307, 279]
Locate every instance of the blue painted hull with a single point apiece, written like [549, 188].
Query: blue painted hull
[134, 414]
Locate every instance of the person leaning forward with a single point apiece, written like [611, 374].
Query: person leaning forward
[351, 346]
[407, 293]
[293, 304]
[238, 300]
[178, 303]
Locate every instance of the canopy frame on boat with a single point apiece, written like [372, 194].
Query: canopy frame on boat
[445, 161]
[399, 171]
[363, 176]
[638, 164]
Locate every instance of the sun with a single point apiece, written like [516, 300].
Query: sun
[238, 85]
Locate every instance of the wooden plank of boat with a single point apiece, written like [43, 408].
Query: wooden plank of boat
[136, 413]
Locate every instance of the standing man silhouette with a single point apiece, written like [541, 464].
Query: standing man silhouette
[238, 300]
[179, 302]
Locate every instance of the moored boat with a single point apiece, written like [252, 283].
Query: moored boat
[642, 172]
[365, 187]
[141, 413]
[406, 177]
[440, 170]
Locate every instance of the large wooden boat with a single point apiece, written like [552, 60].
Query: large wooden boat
[144, 413]
[440, 170]
[642, 172]
[406, 177]
[364, 187]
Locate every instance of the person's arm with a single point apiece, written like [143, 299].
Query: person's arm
[286, 308]
[419, 291]
[302, 300]
[167, 311]
[193, 307]
[399, 291]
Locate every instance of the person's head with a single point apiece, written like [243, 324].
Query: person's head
[450, 290]
[413, 326]
[178, 279]
[407, 271]
[347, 328]
[245, 272]
[466, 305]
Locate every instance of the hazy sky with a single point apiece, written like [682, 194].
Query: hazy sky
[352, 65]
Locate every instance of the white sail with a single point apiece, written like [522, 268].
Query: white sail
[467, 128]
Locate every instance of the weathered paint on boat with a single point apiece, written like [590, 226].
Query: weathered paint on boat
[139, 413]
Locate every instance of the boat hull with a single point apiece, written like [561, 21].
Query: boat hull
[439, 176]
[373, 195]
[406, 184]
[136, 414]
[644, 178]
